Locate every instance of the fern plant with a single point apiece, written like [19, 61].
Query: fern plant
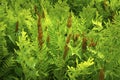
[47, 40]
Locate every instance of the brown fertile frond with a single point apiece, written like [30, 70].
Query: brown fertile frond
[69, 21]
[92, 43]
[101, 74]
[75, 37]
[66, 48]
[84, 44]
[68, 38]
[40, 32]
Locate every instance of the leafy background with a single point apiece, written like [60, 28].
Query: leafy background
[59, 39]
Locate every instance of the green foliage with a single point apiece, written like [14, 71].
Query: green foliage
[6, 58]
[79, 39]
[81, 69]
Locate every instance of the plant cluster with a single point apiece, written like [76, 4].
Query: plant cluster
[59, 39]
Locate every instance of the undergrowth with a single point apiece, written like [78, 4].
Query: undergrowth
[59, 39]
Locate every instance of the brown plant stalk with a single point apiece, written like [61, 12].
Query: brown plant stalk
[66, 48]
[40, 32]
[69, 21]
[84, 44]
[101, 74]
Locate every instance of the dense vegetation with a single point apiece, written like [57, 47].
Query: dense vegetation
[59, 39]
